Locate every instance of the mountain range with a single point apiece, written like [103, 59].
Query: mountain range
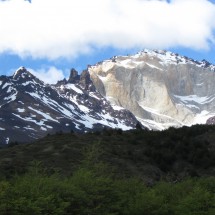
[30, 109]
[157, 88]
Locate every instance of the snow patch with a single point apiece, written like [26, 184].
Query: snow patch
[9, 90]
[156, 112]
[5, 85]
[44, 129]
[21, 110]
[11, 97]
[128, 63]
[116, 107]
[28, 128]
[202, 117]
[73, 87]
[40, 123]
[152, 125]
[7, 140]
[196, 99]
[102, 78]
[45, 115]
[153, 66]
[107, 65]
[84, 108]
[34, 95]
[27, 83]
[94, 96]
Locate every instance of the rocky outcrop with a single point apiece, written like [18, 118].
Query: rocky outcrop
[160, 88]
[74, 76]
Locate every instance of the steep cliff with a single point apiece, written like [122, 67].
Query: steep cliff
[160, 88]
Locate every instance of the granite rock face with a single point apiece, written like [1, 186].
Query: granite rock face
[160, 88]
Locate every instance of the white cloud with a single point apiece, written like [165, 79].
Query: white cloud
[50, 75]
[67, 28]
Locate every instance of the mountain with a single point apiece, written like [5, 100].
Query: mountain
[30, 109]
[158, 88]
[161, 88]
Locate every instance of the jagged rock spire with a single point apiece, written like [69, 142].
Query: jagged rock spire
[74, 76]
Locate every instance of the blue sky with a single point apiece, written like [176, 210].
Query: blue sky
[52, 36]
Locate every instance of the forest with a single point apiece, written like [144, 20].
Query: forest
[111, 172]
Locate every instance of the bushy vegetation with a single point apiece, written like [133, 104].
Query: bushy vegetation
[94, 189]
[169, 155]
[111, 172]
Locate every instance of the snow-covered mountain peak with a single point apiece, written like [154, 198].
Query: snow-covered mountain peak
[22, 72]
[22, 75]
[168, 57]
[159, 59]
[205, 64]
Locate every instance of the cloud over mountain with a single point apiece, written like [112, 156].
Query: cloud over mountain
[64, 28]
[49, 75]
